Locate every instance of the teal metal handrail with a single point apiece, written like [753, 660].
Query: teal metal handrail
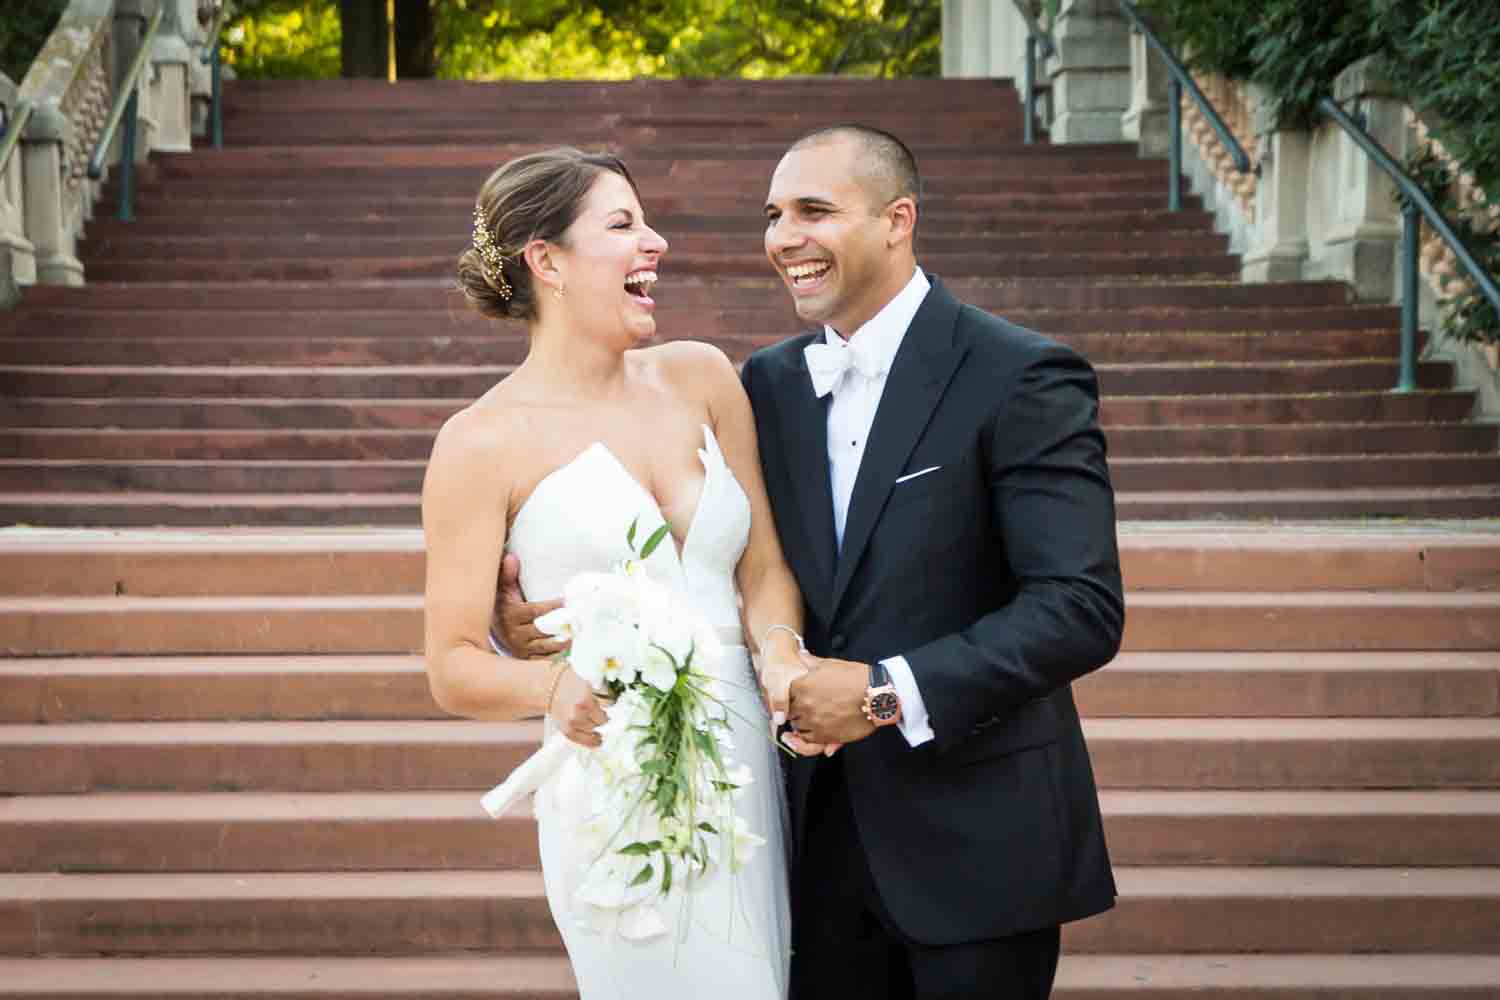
[1179, 79]
[1414, 204]
[1038, 42]
[214, 59]
[127, 106]
[14, 126]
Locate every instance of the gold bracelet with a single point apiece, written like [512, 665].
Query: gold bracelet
[766, 635]
[562, 667]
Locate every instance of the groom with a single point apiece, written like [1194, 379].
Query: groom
[939, 484]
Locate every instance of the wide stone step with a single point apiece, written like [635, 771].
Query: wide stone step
[428, 381]
[747, 263]
[1432, 502]
[1422, 684]
[301, 445]
[1099, 226]
[1162, 910]
[525, 977]
[1296, 911]
[471, 345]
[373, 623]
[426, 831]
[429, 295]
[145, 413]
[447, 315]
[386, 755]
[392, 476]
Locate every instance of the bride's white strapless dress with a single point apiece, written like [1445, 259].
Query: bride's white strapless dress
[729, 933]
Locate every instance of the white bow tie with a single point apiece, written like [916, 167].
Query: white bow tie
[827, 363]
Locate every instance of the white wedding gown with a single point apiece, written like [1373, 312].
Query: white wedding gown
[729, 933]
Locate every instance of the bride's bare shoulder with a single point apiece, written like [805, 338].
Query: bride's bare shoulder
[476, 442]
[690, 364]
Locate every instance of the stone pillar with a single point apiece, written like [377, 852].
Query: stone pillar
[200, 76]
[1278, 238]
[1147, 119]
[1363, 230]
[18, 265]
[171, 59]
[43, 153]
[966, 37]
[1091, 73]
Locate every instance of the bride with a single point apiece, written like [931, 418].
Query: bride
[594, 430]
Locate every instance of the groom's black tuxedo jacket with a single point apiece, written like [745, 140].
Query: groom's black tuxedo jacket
[997, 577]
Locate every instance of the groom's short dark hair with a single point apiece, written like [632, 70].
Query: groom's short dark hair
[892, 164]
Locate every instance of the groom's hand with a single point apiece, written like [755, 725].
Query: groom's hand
[514, 621]
[827, 702]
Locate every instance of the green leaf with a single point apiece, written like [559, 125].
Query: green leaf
[640, 849]
[642, 877]
[653, 541]
[707, 828]
[630, 533]
[666, 875]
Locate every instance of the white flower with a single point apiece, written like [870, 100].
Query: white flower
[744, 844]
[657, 668]
[640, 922]
[558, 622]
[606, 650]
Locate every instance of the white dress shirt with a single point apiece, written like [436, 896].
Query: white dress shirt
[850, 416]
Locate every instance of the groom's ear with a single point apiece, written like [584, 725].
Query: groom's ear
[901, 217]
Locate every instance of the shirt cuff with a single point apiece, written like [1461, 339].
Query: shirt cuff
[915, 724]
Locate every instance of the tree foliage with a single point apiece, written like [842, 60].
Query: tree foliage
[24, 26]
[617, 39]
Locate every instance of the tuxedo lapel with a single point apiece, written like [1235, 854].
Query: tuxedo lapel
[802, 422]
[919, 374]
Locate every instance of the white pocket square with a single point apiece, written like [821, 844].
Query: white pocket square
[920, 472]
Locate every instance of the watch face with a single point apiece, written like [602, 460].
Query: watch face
[885, 706]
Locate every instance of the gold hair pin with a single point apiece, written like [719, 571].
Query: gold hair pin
[490, 255]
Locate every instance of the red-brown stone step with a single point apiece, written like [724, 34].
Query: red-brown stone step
[145, 413]
[1297, 911]
[526, 977]
[424, 831]
[471, 381]
[754, 292]
[284, 688]
[301, 510]
[745, 264]
[367, 623]
[274, 913]
[1162, 910]
[1299, 472]
[1180, 753]
[1099, 225]
[773, 318]
[477, 345]
[1125, 442]
[387, 686]
[1442, 502]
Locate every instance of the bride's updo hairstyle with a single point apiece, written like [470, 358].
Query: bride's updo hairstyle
[533, 197]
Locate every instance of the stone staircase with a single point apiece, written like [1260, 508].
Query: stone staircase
[276, 340]
[1299, 756]
[221, 773]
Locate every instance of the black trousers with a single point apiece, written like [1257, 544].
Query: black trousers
[846, 945]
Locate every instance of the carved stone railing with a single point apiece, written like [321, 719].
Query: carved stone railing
[46, 196]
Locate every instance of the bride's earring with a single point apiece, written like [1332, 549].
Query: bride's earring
[558, 291]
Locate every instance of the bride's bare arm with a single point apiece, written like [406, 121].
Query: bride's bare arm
[464, 500]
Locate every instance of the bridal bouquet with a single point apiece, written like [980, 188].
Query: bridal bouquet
[663, 784]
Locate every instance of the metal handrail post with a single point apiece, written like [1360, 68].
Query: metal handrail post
[127, 158]
[216, 109]
[1411, 237]
[1174, 145]
[1030, 127]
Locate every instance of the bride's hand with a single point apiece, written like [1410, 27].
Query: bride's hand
[577, 710]
[776, 678]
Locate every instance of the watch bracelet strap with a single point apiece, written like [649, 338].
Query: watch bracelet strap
[879, 675]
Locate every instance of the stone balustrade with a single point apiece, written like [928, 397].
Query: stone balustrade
[46, 196]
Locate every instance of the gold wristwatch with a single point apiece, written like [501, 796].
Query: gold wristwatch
[882, 706]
